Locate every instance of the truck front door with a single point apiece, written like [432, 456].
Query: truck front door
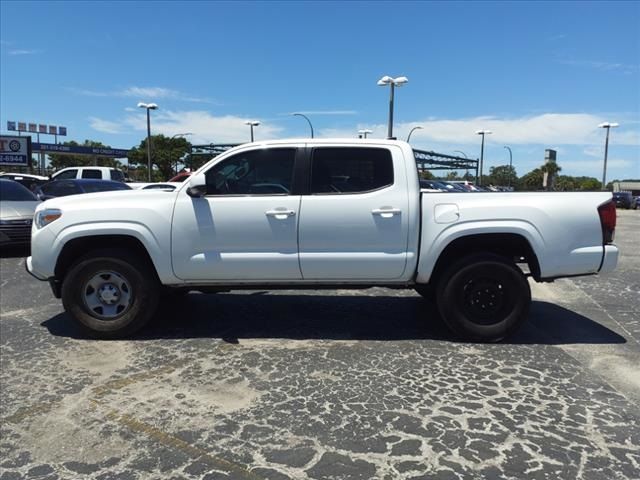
[245, 228]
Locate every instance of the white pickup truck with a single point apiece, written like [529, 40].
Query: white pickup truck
[316, 213]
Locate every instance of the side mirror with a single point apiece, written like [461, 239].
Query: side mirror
[197, 186]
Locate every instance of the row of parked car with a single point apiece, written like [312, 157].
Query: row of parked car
[21, 193]
[459, 186]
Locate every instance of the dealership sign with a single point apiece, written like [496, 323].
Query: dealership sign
[80, 150]
[36, 128]
[15, 151]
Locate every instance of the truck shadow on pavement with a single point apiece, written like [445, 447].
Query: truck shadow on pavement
[15, 251]
[232, 317]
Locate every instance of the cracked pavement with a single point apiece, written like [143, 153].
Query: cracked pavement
[325, 385]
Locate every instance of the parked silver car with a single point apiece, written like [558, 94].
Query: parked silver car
[17, 206]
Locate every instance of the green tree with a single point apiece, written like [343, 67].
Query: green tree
[166, 153]
[502, 175]
[194, 162]
[531, 180]
[566, 183]
[426, 175]
[62, 160]
[588, 183]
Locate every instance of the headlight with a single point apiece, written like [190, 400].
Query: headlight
[45, 217]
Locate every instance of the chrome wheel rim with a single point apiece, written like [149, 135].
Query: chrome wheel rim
[107, 295]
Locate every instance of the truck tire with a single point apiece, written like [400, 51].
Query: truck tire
[110, 293]
[483, 298]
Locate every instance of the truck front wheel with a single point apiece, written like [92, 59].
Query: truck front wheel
[110, 293]
[483, 297]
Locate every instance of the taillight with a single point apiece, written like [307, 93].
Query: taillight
[607, 212]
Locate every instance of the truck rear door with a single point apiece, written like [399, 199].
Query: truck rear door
[354, 222]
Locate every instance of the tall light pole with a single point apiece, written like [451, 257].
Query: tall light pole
[148, 106]
[307, 119]
[483, 133]
[393, 82]
[412, 130]
[364, 133]
[252, 123]
[176, 136]
[510, 163]
[608, 126]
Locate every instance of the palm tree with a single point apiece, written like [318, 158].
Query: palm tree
[550, 169]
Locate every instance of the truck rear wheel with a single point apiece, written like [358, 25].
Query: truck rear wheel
[483, 297]
[110, 293]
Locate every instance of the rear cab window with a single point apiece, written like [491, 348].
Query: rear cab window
[91, 173]
[350, 170]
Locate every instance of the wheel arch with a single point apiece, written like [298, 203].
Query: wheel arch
[511, 245]
[77, 247]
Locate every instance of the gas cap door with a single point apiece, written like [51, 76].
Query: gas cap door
[446, 213]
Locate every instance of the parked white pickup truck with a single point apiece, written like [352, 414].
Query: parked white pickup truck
[310, 213]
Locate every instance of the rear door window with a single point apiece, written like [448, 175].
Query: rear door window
[349, 170]
[91, 173]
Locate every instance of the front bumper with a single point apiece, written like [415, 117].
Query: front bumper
[54, 283]
[28, 265]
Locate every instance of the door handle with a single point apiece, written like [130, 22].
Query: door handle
[280, 214]
[386, 212]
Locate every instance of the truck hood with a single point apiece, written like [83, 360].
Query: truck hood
[110, 200]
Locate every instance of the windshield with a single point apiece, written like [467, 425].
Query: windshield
[14, 192]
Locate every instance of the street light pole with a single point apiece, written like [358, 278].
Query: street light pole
[483, 133]
[252, 123]
[608, 126]
[364, 133]
[307, 119]
[392, 82]
[148, 106]
[412, 130]
[510, 163]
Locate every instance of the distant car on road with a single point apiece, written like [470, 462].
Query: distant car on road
[62, 188]
[17, 206]
[625, 200]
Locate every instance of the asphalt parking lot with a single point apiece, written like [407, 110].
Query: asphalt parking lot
[325, 385]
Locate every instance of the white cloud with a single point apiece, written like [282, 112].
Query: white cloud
[324, 112]
[545, 129]
[204, 127]
[144, 93]
[19, 51]
[596, 165]
[602, 66]
[104, 126]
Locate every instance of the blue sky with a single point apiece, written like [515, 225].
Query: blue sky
[539, 75]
